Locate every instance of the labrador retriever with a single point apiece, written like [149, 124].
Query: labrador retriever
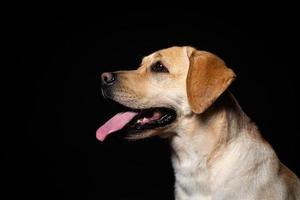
[181, 93]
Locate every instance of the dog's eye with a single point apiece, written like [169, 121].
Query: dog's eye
[159, 67]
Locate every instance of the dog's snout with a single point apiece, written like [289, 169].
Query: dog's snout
[108, 78]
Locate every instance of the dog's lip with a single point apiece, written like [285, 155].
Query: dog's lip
[151, 118]
[142, 111]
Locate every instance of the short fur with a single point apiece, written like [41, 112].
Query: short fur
[218, 152]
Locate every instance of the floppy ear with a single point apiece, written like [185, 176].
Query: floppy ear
[208, 77]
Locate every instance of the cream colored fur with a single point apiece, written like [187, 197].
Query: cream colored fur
[218, 154]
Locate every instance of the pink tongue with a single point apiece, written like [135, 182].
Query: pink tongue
[114, 124]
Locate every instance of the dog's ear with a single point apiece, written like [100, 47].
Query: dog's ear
[208, 77]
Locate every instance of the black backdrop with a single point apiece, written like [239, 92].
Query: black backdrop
[56, 56]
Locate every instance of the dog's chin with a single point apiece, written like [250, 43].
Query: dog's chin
[162, 132]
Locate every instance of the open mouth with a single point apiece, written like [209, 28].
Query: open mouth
[137, 121]
[151, 118]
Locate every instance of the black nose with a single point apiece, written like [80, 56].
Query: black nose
[108, 78]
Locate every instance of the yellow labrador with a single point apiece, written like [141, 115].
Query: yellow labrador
[181, 94]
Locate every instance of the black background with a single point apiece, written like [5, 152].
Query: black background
[56, 54]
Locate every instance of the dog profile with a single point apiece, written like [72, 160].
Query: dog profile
[181, 93]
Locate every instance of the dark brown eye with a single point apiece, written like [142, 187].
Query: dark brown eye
[159, 67]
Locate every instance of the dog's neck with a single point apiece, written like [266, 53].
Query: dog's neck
[212, 129]
[201, 137]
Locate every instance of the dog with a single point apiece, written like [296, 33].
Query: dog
[181, 93]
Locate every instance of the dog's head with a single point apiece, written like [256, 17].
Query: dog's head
[170, 85]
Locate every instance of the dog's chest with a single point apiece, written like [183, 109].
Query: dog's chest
[191, 179]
